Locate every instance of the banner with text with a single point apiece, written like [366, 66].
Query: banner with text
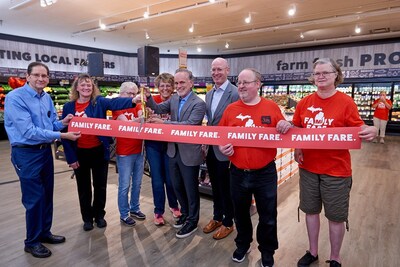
[315, 138]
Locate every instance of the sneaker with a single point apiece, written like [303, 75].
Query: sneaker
[375, 140]
[158, 219]
[128, 221]
[187, 229]
[176, 213]
[333, 263]
[267, 260]
[138, 215]
[240, 254]
[87, 226]
[382, 141]
[179, 223]
[307, 259]
[101, 223]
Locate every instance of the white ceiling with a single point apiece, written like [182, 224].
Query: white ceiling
[321, 22]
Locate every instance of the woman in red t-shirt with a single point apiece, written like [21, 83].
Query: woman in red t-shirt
[381, 115]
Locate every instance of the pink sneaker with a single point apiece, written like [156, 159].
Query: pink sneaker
[176, 213]
[158, 219]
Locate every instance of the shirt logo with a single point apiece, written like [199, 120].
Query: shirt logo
[80, 114]
[318, 120]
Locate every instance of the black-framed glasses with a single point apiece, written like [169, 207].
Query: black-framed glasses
[323, 74]
[245, 83]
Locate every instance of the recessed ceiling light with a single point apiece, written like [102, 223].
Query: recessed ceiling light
[146, 14]
[292, 10]
[248, 19]
[199, 49]
[191, 29]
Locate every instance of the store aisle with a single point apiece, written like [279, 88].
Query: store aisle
[373, 240]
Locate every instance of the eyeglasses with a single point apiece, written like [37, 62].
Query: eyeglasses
[217, 69]
[37, 75]
[323, 74]
[245, 83]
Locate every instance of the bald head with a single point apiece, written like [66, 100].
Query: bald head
[219, 71]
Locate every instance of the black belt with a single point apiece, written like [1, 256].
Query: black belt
[38, 146]
[252, 170]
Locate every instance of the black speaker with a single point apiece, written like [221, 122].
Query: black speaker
[95, 64]
[148, 61]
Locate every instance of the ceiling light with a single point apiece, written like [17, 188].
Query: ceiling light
[147, 36]
[146, 14]
[199, 49]
[248, 19]
[211, 1]
[226, 45]
[102, 25]
[191, 29]
[301, 35]
[357, 29]
[44, 3]
[292, 10]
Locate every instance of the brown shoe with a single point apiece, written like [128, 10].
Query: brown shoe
[211, 226]
[223, 232]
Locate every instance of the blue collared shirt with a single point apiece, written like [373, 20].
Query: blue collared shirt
[182, 102]
[30, 118]
[218, 92]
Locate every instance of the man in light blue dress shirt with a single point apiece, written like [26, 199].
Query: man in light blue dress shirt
[32, 125]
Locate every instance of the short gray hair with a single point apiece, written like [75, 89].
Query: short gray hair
[126, 85]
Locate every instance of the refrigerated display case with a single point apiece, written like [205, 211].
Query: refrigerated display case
[298, 91]
[396, 103]
[345, 88]
[276, 93]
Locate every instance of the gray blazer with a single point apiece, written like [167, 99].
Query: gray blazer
[192, 113]
[230, 95]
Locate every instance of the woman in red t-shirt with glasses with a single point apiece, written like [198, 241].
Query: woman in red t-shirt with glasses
[382, 107]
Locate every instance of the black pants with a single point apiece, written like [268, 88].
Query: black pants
[263, 185]
[220, 182]
[92, 164]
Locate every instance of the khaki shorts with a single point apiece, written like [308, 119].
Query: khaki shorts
[333, 192]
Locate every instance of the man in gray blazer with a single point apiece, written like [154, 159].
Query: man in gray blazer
[185, 107]
[217, 99]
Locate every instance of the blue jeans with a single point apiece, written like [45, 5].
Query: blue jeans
[262, 184]
[160, 179]
[130, 166]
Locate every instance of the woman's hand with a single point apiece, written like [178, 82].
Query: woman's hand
[298, 156]
[227, 150]
[74, 165]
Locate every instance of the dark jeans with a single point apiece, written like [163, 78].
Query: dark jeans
[263, 185]
[35, 169]
[156, 154]
[92, 163]
[185, 180]
[220, 182]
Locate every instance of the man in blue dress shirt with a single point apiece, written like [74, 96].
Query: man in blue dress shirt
[32, 125]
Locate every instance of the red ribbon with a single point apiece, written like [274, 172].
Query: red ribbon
[315, 138]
